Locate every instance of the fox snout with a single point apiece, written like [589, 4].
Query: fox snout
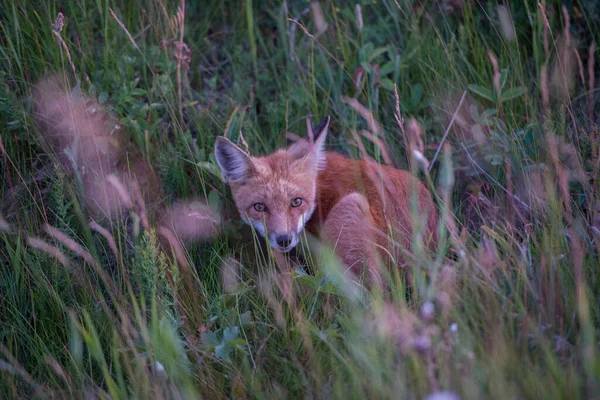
[283, 242]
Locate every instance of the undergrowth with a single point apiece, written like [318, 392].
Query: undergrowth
[493, 105]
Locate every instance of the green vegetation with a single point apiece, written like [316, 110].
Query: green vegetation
[507, 308]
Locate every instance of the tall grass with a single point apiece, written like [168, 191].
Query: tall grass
[124, 307]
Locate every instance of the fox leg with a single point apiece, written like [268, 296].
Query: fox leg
[349, 229]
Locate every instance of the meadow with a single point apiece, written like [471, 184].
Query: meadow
[125, 271]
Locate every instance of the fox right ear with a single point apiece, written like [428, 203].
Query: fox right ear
[234, 163]
[319, 134]
[320, 131]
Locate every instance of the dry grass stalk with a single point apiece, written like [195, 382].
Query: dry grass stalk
[496, 69]
[5, 226]
[180, 57]
[5, 162]
[121, 191]
[591, 80]
[454, 116]
[365, 113]
[12, 366]
[374, 127]
[557, 149]
[53, 251]
[309, 130]
[544, 75]
[109, 238]
[318, 18]
[417, 148]
[546, 29]
[567, 25]
[244, 143]
[400, 120]
[359, 17]
[231, 274]
[58, 370]
[122, 25]
[577, 255]
[141, 206]
[76, 129]
[579, 66]
[265, 285]
[544, 88]
[176, 247]
[380, 145]
[70, 244]
[509, 195]
[181, 51]
[191, 221]
[293, 27]
[401, 10]
[506, 23]
[492, 179]
[398, 325]
[291, 136]
[564, 65]
[56, 30]
[230, 121]
[361, 148]
[319, 43]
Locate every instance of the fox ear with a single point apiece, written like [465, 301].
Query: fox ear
[319, 134]
[234, 163]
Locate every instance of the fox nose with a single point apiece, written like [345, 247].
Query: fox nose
[284, 241]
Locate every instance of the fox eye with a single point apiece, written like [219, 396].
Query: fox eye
[296, 202]
[260, 207]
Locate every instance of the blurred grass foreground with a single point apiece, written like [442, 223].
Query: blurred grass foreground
[125, 271]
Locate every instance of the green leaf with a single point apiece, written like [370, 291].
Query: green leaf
[329, 288]
[214, 200]
[238, 343]
[474, 112]
[309, 281]
[364, 52]
[416, 95]
[495, 159]
[211, 169]
[490, 112]
[387, 68]
[246, 318]
[503, 78]
[230, 333]
[137, 92]
[387, 84]
[513, 93]
[223, 351]
[482, 92]
[103, 97]
[367, 67]
[210, 338]
[376, 53]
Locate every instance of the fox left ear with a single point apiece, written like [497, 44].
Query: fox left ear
[234, 163]
[319, 134]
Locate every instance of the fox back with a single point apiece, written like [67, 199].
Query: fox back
[389, 193]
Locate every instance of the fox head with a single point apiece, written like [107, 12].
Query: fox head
[276, 193]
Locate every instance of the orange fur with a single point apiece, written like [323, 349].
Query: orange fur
[354, 205]
[387, 191]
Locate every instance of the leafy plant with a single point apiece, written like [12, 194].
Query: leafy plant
[503, 95]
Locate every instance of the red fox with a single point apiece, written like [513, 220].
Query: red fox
[354, 205]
